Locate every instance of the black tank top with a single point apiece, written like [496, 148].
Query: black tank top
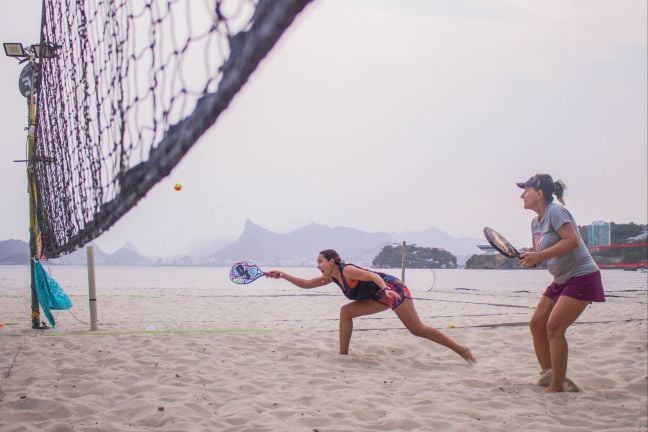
[355, 289]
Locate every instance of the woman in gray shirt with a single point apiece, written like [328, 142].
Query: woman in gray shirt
[577, 279]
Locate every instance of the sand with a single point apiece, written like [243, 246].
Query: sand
[265, 359]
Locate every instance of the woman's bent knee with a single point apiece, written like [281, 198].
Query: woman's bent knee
[345, 312]
[418, 330]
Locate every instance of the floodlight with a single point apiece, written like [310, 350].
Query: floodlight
[14, 49]
[45, 50]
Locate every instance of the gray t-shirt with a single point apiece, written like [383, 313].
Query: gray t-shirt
[577, 262]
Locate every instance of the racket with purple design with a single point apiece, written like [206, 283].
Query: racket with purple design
[243, 273]
[500, 243]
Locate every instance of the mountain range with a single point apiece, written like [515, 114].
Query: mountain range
[295, 248]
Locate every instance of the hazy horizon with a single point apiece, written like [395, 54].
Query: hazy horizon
[228, 239]
[390, 117]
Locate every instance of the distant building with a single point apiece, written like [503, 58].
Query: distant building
[598, 234]
[641, 237]
[487, 248]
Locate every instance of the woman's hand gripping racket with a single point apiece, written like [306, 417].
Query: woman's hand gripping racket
[243, 273]
[503, 246]
[500, 244]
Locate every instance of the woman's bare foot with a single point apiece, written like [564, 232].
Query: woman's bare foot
[553, 390]
[467, 355]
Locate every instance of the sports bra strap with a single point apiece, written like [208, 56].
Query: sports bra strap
[344, 282]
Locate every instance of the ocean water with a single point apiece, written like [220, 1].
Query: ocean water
[133, 298]
[206, 280]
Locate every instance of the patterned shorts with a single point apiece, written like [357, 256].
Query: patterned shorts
[397, 286]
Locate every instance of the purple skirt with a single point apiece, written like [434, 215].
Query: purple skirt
[587, 288]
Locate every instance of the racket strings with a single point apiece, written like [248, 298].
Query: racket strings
[244, 273]
[500, 243]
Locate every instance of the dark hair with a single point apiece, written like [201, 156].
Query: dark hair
[545, 183]
[331, 254]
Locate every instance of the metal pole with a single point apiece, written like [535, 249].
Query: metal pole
[403, 263]
[92, 289]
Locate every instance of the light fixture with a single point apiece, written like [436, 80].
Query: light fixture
[45, 50]
[14, 49]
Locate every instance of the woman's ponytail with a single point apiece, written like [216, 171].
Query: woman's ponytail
[559, 190]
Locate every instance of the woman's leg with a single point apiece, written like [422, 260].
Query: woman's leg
[353, 310]
[407, 314]
[566, 311]
[538, 325]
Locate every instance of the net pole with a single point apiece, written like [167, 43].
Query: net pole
[92, 288]
[34, 237]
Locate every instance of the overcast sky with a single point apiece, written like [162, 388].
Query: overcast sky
[397, 115]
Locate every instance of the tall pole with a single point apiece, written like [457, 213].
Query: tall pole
[28, 85]
[34, 233]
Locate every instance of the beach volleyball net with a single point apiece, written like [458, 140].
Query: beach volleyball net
[133, 87]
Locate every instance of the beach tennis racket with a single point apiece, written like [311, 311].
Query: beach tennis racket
[500, 244]
[243, 273]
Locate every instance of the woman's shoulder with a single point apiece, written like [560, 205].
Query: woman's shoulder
[350, 267]
[558, 209]
[345, 265]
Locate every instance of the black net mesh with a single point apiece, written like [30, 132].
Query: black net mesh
[135, 84]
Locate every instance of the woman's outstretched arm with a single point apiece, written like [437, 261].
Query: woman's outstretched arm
[301, 283]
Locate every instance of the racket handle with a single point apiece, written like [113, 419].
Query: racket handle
[520, 258]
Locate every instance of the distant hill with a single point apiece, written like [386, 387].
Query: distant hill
[14, 252]
[78, 257]
[415, 257]
[300, 246]
[492, 261]
[295, 248]
[205, 248]
[127, 255]
[17, 252]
